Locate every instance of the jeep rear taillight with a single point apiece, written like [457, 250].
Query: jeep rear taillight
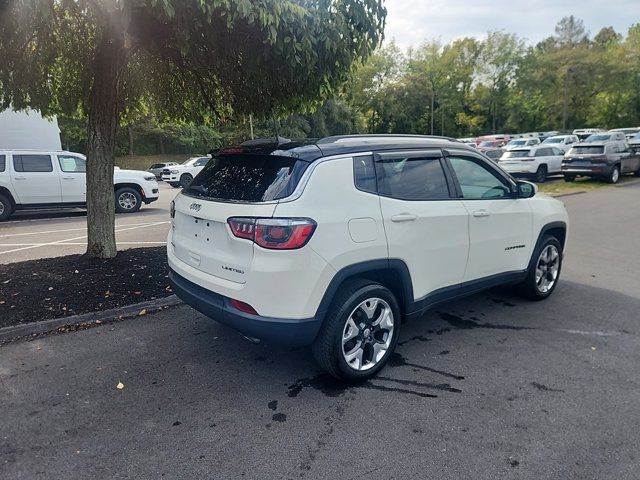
[243, 227]
[274, 233]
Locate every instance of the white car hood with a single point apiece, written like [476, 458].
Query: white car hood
[130, 174]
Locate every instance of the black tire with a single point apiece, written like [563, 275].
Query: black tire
[529, 288]
[174, 184]
[614, 176]
[637, 172]
[185, 180]
[128, 200]
[569, 178]
[6, 207]
[541, 174]
[328, 348]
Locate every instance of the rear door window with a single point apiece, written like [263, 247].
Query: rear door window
[32, 163]
[2, 163]
[411, 177]
[247, 178]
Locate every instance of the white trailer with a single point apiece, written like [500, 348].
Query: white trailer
[28, 131]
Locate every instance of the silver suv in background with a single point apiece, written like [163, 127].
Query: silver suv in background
[601, 160]
[563, 142]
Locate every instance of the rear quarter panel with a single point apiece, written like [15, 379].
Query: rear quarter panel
[350, 228]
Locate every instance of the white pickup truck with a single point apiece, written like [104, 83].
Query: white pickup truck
[181, 175]
[32, 179]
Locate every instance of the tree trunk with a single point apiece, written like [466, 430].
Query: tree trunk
[130, 132]
[109, 61]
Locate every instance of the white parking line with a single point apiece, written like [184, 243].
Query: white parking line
[75, 243]
[59, 242]
[10, 235]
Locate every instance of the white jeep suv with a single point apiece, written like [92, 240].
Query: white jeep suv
[332, 244]
[181, 175]
[537, 162]
[32, 180]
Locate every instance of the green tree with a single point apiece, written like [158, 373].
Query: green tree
[607, 37]
[498, 63]
[197, 60]
[570, 32]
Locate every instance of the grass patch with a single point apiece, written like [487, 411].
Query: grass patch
[142, 162]
[557, 186]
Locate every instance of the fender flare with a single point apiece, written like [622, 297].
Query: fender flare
[543, 232]
[370, 268]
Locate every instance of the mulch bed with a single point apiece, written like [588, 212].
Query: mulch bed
[59, 287]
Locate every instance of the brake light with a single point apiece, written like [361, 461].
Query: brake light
[274, 233]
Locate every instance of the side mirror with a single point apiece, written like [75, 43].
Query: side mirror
[526, 189]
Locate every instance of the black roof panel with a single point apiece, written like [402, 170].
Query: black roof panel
[314, 149]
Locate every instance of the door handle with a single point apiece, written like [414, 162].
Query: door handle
[19, 178]
[403, 217]
[481, 213]
[67, 178]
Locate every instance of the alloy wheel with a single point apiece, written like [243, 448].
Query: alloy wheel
[615, 175]
[367, 334]
[127, 200]
[547, 268]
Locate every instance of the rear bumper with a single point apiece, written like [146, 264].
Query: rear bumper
[290, 332]
[597, 170]
[519, 168]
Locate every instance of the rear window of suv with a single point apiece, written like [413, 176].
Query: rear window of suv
[248, 178]
[516, 154]
[586, 150]
[2, 163]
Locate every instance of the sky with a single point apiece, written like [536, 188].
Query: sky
[411, 22]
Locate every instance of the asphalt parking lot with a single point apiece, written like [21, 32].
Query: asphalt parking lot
[53, 233]
[490, 387]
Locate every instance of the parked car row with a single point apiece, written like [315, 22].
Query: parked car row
[591, 152]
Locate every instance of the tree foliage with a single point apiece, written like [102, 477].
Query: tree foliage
[500, 84]
[117, 61]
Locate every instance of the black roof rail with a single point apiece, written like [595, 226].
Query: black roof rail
[381, 136]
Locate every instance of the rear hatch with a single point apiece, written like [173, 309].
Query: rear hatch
[231, 185]
[515, 156]
[584, 155]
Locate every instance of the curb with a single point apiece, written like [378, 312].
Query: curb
[579, 192]
[81, 322]
[627, 184]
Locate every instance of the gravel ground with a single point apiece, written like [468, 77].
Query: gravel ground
[71, 285]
